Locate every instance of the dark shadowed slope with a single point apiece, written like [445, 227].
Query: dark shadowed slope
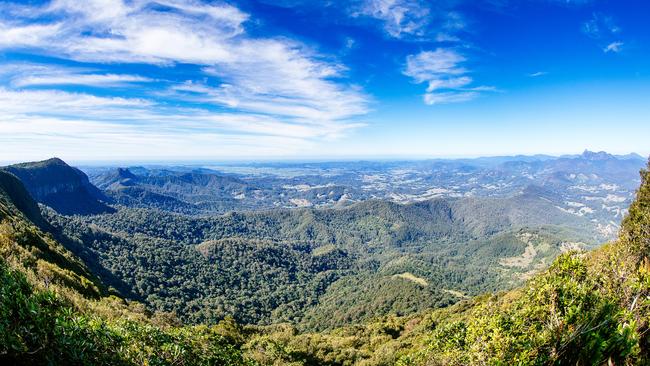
[60, 186]
[53, 311]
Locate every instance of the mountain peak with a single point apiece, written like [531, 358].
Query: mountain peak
[125, 173]
[60, 186]
[600, 155]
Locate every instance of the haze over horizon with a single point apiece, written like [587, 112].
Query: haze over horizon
[182, 80]
[132, 161]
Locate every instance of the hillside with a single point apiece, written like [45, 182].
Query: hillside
[55, 312]
[587, 308]
[60, 186]
[295, 262]
[193, 191]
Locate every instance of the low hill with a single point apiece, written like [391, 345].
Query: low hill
[64, 188]
[179, 191]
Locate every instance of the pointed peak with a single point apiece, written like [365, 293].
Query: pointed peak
[600, 155]
[125, 173]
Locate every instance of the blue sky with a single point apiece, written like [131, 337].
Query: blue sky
[299, 79]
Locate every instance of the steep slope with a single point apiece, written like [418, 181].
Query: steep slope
[588, 308]
[13, 192]
[60, 186]
[54, 312]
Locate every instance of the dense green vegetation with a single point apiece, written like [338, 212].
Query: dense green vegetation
[54, 311]
[587, 308]
[320, 267]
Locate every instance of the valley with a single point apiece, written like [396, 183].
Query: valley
[204, 244]
[371, 283]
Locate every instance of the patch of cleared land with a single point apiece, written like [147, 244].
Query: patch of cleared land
[456, 293]
[524, 260]
[413, 278]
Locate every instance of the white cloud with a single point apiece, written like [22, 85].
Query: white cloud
[32, 102]
[262, 86]
[34, 35]
[29, 74]
[447, 79]
[615, 47]
[600, 26]
[451, 83]
[430, 65]
[66, 122]
[400, 17]
[80, 79]
[89, 139]
[537, 74]
[448, 97]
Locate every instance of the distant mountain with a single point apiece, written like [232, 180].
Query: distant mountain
[291, 258]
[199, 190]
[595, 185]
[399, 266]
[60, 186]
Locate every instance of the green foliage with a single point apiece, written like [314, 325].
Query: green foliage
[586, 309]
[38, 327]
[321, 268]
[636, 226]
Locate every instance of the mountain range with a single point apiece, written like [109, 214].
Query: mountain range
[180, 239]
[351, 280]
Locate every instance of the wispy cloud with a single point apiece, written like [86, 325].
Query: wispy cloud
[600, 26]
[266, 86]
[29, 74]
[448, 97]
[56, 102]
[447, 80]
[413, 19]
[615, 47]
[128, 127]
[603, 28]
[399, 17]
[537, 74]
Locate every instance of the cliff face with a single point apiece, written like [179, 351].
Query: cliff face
[60, 186]
[13, 191]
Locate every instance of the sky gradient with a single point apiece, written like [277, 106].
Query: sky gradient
[288, 79]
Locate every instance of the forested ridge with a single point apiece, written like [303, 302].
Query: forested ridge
[321, 267]
[587, 308]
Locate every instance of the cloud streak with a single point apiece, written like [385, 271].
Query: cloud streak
[413, 19]
[446, 77]
[603, 28]
[615, 47]
[244, 85]
[28, 74]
